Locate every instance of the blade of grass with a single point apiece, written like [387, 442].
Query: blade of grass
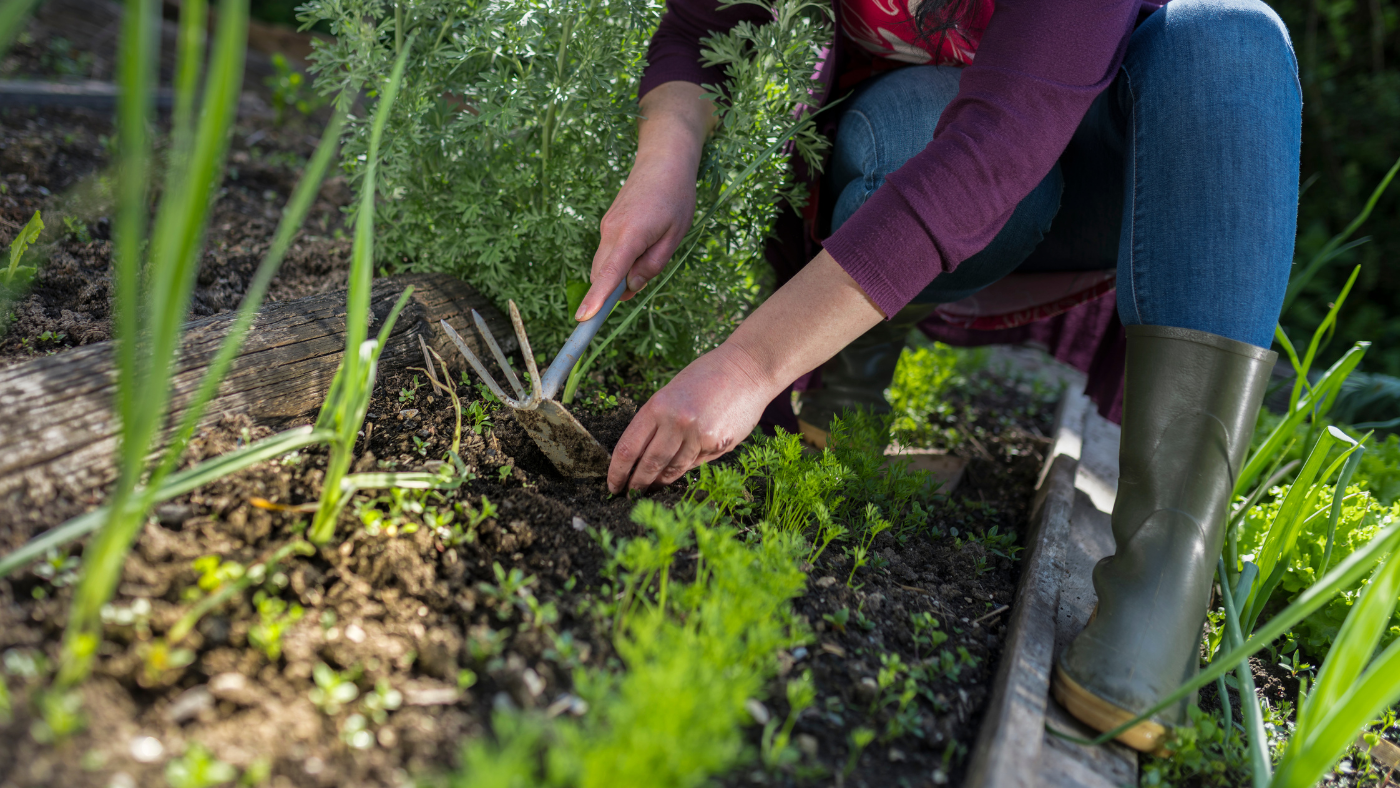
[1249, 700]
[175, 484]
[1340, 704]
[149, 332]
[292, 218]
[1313, 403]
[1330, 250]
[1338, 496]
[341, 411]
[1323, 328]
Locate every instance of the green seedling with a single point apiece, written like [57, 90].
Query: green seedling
[466, 679]
[333, 690]
[504, 472]
[348, 400]
[481, 418]
[860, 738]
[420, 446]
[290, 91]
[508, 586]
[214, 572]
[17, 276]
[874, 526]
[275, 617]
[777, 753]
[198, 768]
[76, 229]
[927, 635]
[382, 700]
[407, 395]
[57, 570]
[839, 619]
[355, 732]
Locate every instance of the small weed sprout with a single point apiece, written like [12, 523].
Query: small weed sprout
[382, 700]
[214, 572]
[860, 738]
[480, 417]
[839, 619]
[333, 690]
[17, 276]
[874, 526]
[407, 395]
[801, 692]
[927, 635]
[198, 768]
[275, 617]
[504, 472]
[57, 570]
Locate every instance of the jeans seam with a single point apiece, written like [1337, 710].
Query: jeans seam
[868, 167]
[1132, 212]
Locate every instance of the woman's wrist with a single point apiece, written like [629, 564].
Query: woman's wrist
[807, 321]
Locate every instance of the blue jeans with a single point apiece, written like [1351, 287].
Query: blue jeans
[1183, 173]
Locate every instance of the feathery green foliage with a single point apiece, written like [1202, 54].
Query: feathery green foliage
[694, 654]
[517, 128]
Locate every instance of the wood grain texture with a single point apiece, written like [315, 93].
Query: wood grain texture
[58, 431]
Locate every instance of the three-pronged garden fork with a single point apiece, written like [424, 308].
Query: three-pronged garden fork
[572, 449]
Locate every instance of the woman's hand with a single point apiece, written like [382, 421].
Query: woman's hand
[705, 411]
[715, 402]
[654, 208]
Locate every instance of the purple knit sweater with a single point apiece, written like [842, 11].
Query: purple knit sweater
[1038, 67]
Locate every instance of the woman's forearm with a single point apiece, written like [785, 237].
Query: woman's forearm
[807, 321]
[675, 120]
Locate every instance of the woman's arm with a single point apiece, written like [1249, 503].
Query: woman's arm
[715, 402]
[654, 208]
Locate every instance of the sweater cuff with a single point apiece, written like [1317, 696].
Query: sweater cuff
[883, 237]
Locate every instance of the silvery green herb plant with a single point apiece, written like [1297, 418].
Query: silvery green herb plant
[517, 127]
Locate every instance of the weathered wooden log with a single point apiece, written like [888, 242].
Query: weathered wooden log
[58, 431]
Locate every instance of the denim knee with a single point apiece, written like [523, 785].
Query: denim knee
[1243, 42]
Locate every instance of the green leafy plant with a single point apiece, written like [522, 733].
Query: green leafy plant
[334, 689]
[290, 91]
[198, 768]
[519, 127]
[693, 663]
[17, 276]
[275, 616]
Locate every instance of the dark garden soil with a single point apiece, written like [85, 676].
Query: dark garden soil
[405, 609]
[397, 606]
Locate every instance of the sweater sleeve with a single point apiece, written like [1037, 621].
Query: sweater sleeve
[1039, 66]
[674, 52]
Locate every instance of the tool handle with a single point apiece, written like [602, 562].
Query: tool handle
[553, 378]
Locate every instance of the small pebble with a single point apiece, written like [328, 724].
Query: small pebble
[121, 780]
[896, 755]
[579, 524]
[533, 683]
[408, 414]
[826, 582]
[146, 749]
[808, 744]
[757, 710]
[189, 704]
[313, 766]
[799, 653]
[354, 634]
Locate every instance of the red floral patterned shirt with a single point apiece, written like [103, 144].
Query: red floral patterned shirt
[885, 28]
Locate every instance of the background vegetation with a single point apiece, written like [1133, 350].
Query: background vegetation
[1349, 59]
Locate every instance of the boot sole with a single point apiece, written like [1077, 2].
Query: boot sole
[1101, 715]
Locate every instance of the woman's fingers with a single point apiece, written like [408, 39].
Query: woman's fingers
[687, 457]
[629, 449]
[657, 457]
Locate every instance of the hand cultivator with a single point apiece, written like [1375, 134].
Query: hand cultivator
[568, 445]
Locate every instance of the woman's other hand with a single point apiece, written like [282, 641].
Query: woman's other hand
[714, 403]
[655, 207]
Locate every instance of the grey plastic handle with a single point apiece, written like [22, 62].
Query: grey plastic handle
[563, 364]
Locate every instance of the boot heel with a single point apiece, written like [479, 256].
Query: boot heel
[1099, 714]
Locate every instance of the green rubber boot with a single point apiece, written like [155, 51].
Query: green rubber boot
[857, 376]
[1189, 404]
